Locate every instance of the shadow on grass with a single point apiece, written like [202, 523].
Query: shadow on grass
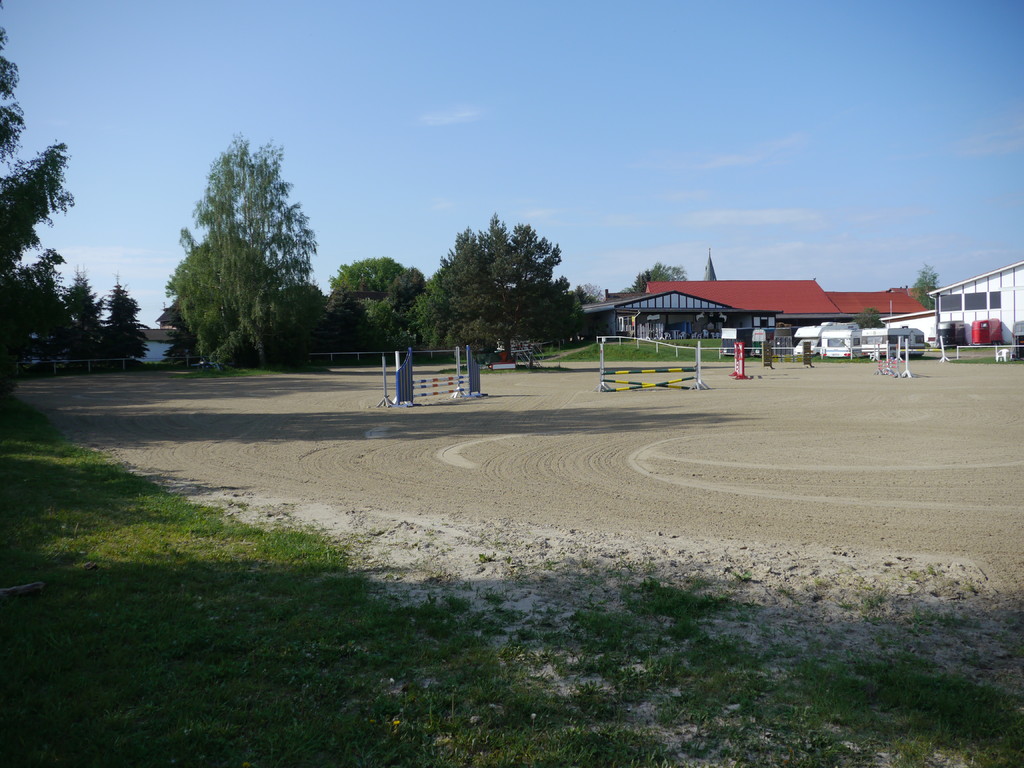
[168, 634]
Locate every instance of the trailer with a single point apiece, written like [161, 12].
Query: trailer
[841, 342]
[985, 332]
[753, 339]
[887, 342]
[812, 333]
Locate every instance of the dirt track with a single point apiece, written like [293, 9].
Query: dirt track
[830, 462]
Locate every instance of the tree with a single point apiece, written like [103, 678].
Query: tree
[30, 193]
[367, 275]
[80, 337]
[405, 289]
[122, 334]
[927, 280]
[183, 341]
[245, 289]
[588, 293]
[499, 286]
[659, 273]
[339, 325]
[869, 318]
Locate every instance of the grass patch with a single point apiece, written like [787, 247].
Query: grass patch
[169, 634]
[646, 350]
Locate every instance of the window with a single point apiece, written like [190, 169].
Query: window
[951, 302]
[995, 300]
[975, 301]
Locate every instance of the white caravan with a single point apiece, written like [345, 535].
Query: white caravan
[841, 342]
[812, 333]
[880, 342]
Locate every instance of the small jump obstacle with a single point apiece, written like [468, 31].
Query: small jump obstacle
[801, 354]
[889, 366]
[605, 384]
[407, 388]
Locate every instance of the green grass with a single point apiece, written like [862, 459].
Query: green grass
[645, 350]
[169, 634]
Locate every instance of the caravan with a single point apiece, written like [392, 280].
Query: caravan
[813, 334]
[841, 342]
[886, 342]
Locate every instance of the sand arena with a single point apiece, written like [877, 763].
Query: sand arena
[791, 478]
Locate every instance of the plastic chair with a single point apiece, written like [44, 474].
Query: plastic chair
[1002, 355]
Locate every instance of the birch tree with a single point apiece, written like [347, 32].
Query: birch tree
[31, 191]
[245, 286]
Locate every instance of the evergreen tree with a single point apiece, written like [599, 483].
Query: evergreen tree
[80, 338]
[499, 286]
[589, 293]
[183, 341]
[339, 325]
[405, 289]
[122, 334]
[30, 193]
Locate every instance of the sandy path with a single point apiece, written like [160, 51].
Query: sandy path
[831, 464]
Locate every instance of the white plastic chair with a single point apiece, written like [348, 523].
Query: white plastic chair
[1002, 355]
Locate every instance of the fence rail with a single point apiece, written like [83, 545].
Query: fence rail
[98, 361]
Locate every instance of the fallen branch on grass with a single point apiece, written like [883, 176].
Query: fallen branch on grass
[24, 589]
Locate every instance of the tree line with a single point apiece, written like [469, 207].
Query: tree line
[91, 327]
[244, 291]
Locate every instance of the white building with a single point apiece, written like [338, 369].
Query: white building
[997, 296]
[923, 321]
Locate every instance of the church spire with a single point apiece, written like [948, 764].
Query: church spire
[709, 270]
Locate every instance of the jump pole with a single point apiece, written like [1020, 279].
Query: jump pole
[906, 363]
[698, 383]
[386, 401]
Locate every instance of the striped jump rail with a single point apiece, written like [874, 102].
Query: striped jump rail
[407, 389]
[608, 384]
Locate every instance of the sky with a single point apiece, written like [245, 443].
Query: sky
[851, 142]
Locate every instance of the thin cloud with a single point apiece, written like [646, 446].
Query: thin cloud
[103, 261]
[451, 117]
[767, 153]
[801, 217]
[1005, 140]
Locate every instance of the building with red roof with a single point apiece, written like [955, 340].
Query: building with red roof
[703, 307]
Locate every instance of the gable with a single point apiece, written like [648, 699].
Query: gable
[891, 302]
[785, 296]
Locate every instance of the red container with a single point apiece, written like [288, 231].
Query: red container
[986, 332]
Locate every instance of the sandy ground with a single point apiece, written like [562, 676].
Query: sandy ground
[799, 477]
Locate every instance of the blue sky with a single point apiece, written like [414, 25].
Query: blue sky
[851, 142]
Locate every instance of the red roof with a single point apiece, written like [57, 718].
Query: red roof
[897, 301]
[789, 297]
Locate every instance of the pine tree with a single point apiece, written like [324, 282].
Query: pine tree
[183, 341]
[80, 338]
[338, 330]
[122, 334]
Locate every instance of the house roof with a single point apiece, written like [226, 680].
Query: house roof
[784, 296]
[976, 277]
[893, 301]
[663, 301]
